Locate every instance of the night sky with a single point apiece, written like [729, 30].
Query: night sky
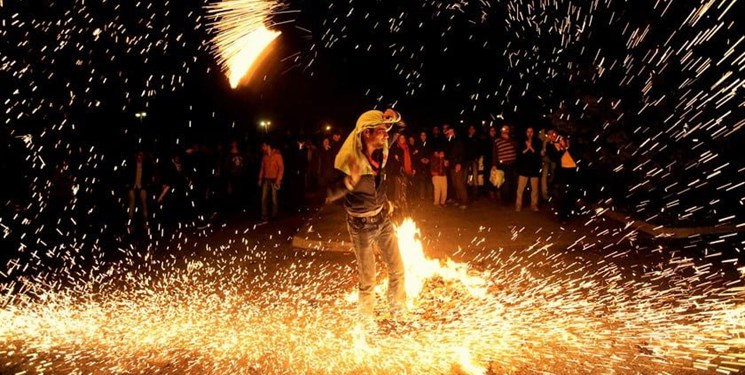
[652, 90]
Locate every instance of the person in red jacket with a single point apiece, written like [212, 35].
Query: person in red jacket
[439, 176]
[270, 179]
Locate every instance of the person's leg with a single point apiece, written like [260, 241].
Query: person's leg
[397, 190]
[475, 177]
[362, 242]
[275, 201]
[441, 184]
[510, 180]
[534, 193]
[131, 209]
[396, 286]
[437, 190]
[544, 179]
[522, 181]
[443, 189]
[570, 197]
[459, 179]
[265, 187]
[143, 203]
[560, 181]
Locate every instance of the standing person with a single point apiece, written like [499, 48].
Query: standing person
[326, 163]
[403, 172]
[335, 142]
[174, 193]
[236, 176]
[417, 179]
[472, 145]
[425, 154]
[296, 157]
[439, 177]
[488, 156]
[456, 158]
[270, 179]
[437, 138]
[140, 177]
[504, 156]
[561, 152]
[528, 168]
[547, 166]
[362, 160]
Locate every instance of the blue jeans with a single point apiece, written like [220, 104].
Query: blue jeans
[363, 233]
[267, 187]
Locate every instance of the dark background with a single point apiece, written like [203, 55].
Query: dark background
[74, 74]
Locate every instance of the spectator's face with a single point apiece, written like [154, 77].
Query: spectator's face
[423, 136]
[505, 134]
[530, 133]
[435, 131]
[326, 142]
[412, 141]
[336, 137]
[401, 139]
[471, 130]
[493, 132]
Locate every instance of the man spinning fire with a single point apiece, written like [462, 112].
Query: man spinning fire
[362, 159]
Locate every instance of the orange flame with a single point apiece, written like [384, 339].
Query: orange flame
[248, 49]
[418, 268]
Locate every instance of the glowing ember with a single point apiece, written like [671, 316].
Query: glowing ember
[242, 36]
[531, 313]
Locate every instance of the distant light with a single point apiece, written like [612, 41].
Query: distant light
[328, 127]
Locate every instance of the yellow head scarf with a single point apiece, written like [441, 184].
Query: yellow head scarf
[353, 147]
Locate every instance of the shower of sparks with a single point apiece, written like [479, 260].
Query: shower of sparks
[529, 311]
[536, 314]
[241, 34]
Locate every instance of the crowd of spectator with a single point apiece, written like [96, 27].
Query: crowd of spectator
[152, 190]
[446, 168]
[444, 165]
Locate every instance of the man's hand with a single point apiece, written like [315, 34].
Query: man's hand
[390, 114]
[277, 184]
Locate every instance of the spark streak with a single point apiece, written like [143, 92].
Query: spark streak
[216, 317]
[242, 35]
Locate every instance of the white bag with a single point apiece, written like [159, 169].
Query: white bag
[496, 177]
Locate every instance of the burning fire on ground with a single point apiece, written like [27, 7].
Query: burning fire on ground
[529, 312]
